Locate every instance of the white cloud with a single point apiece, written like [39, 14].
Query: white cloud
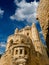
[25, 11]
[2, 44]
[2, 47]
[1, 52]
[1, 12]
[41, 32]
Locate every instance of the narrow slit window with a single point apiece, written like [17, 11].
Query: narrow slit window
[20, 51]
[16, 51]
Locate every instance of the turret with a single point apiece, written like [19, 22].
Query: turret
[35, 34]
[19, 46]
[36, 39]
[39, 48]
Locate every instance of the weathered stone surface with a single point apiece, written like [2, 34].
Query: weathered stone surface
[43, 17]
[25, 48]
[33, 60]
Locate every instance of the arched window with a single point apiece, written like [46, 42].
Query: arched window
[22, 41]
[16, 51]
[11, 41]
[27, 34]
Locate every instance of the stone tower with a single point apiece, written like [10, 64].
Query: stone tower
[33, 33]
[24, 47]
[43, 17]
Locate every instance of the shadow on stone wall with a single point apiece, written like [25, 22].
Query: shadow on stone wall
[0, 55]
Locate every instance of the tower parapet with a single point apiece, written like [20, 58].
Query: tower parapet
[32, 32]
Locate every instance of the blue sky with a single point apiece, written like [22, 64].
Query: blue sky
[16, 14]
